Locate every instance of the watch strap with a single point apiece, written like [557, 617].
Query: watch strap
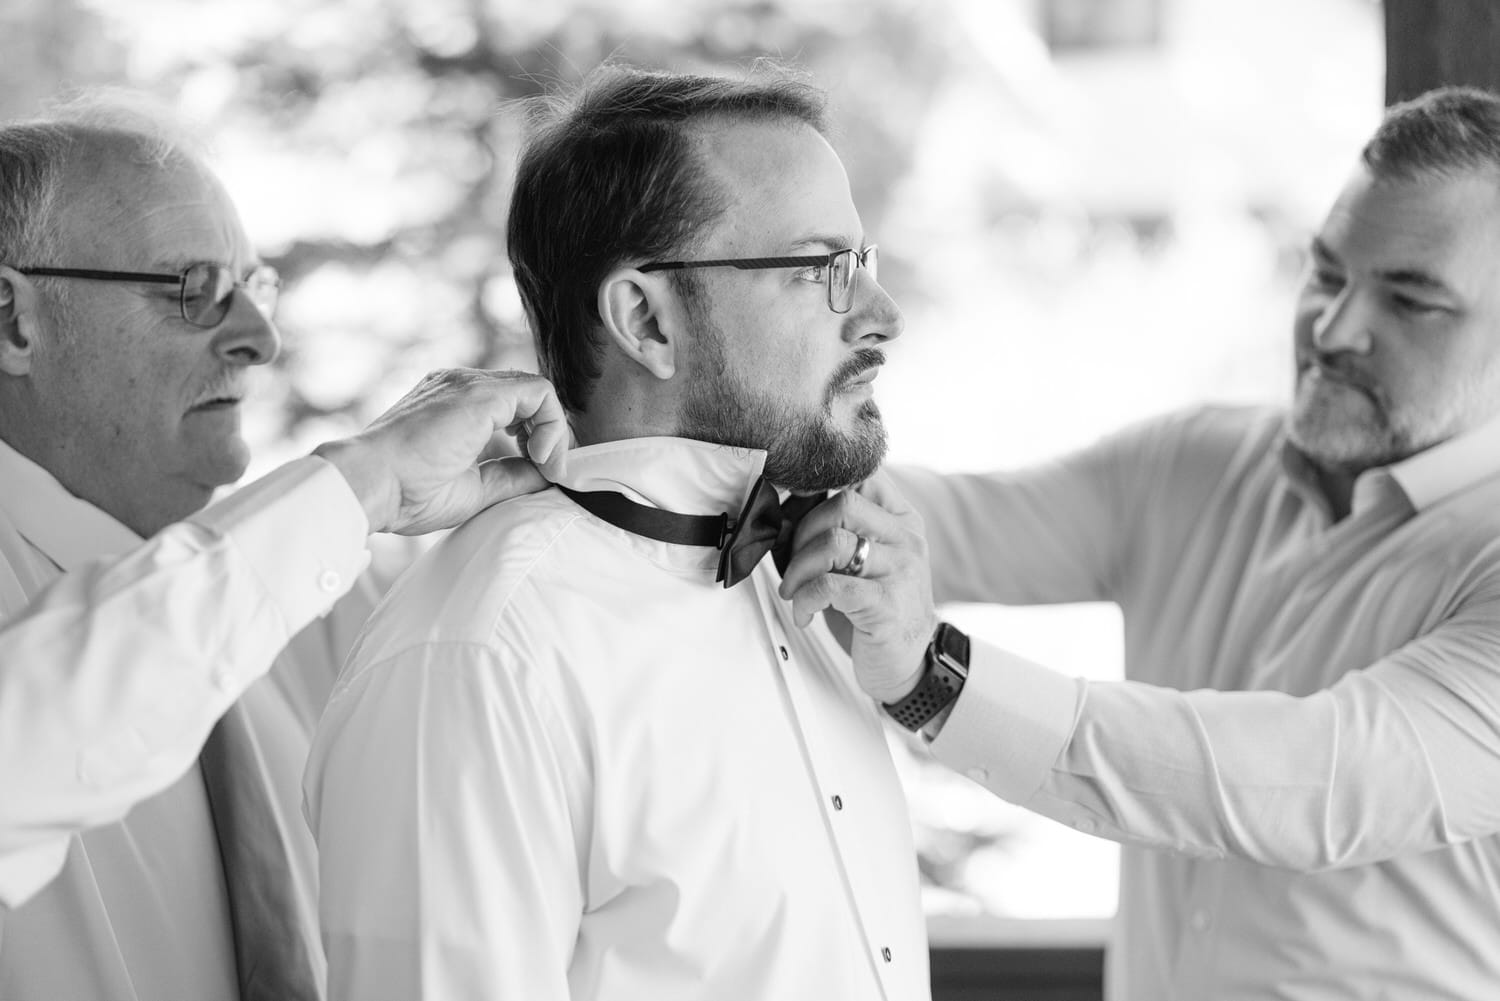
[945, 668]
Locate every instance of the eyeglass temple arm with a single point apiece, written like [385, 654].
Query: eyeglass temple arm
[104, 276]
[744, 264]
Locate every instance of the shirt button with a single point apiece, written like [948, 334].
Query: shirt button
[885, 954]
[223, 679]
[329, 581]
[838, 802]
[1200, 921]
[784, 654]
[980, 775]
[1084, 826]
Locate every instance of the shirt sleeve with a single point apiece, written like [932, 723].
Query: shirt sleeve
[111, 679]
[1077, 527]
[1048, 534]
[1398, 758]
[449, 854]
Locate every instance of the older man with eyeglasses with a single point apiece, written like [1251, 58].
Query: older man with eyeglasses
[132, 620]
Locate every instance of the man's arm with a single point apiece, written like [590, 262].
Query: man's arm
[1077, 527]
[444, 812]
[1397, 758]
[111, 679]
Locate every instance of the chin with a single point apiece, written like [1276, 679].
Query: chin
[222, 467]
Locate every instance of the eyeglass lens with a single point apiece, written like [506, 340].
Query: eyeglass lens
[207, 291]
[841, 276]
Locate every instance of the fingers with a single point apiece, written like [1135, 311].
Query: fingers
[831, 552]
[523, 404]
[502, 446]
[852, 511]
[881, 490]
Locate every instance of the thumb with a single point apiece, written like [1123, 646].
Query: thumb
[501, 479]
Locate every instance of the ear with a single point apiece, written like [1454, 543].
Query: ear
[18, 321]
[635, 310]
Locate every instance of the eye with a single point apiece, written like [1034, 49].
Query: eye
[1325, 278]
[1415, 307]
[817, 274]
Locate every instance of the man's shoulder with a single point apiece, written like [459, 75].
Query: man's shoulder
[460, 588]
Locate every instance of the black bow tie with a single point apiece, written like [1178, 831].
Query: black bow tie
[766, 524]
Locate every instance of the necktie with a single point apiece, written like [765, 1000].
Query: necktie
[766, 525]
[271, 933]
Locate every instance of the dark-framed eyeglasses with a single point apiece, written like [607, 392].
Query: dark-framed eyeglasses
[838, 273]
[205, 291]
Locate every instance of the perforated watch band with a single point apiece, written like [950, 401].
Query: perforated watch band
[945, 669]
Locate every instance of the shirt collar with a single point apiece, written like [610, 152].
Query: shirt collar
[1424, 479]
[68, 530]
[674, 474]
[1443, 470]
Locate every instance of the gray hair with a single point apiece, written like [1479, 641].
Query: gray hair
[34, 155]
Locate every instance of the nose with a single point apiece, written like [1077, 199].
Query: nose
[876, 317]
[246, 336]
[1342, 323]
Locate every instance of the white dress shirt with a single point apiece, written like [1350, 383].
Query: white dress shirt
[1304, 765]
[563, 762]
[110, 680]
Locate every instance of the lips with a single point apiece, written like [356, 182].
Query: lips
[219, 398]
[859, 370]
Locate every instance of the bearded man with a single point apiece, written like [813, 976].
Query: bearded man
[582, 750]
[1302, 763]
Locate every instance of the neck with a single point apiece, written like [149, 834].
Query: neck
[1337, 486]
[145, 515]
[616, 413]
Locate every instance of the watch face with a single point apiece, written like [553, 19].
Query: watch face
[953, 645]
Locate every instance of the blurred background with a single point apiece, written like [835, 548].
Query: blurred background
[1090, 210]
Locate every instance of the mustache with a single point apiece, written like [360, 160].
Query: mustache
[1341, 368]
[854, 366]
[226, 386]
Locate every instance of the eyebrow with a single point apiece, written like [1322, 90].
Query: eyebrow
[828, 242]
[1411, 277]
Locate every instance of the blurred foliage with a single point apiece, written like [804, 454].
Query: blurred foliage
[373, 141]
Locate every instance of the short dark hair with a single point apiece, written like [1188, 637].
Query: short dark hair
[611, 176]
[1445, 131]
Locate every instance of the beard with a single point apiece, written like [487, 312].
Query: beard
[1344, 419]
[1341, 423]
[806, 450]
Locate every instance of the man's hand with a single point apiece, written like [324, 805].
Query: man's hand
[426, 463]
[889, 604]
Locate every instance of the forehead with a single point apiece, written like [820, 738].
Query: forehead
[1448, 224]
[117, 210]
[783, 185]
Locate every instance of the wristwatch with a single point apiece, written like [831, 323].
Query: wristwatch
[945, 668]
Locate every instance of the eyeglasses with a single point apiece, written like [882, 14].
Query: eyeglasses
[838, 274]
[205, 291]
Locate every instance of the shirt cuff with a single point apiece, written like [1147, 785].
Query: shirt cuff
[302, 531]
[1010, 724]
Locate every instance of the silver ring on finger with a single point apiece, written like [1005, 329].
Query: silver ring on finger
[856, 565]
